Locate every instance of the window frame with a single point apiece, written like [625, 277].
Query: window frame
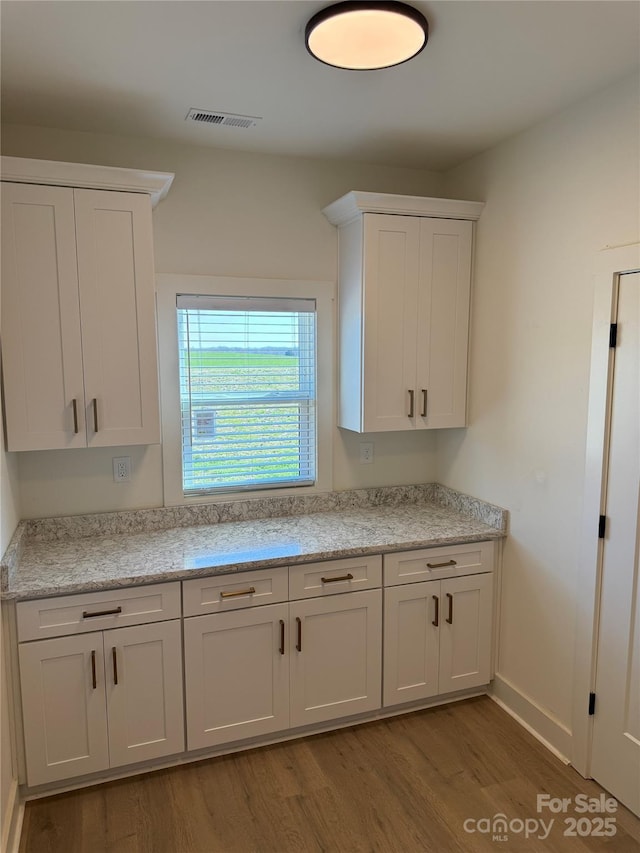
[168, 287]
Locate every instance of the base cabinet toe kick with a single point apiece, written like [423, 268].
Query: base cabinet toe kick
[122, 681]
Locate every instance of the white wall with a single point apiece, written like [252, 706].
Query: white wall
[233, 214]
[555, 196]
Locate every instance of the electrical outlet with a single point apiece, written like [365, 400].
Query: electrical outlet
[121, 469]
[366, 452]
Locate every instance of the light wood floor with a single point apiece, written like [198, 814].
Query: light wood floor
[406, 784]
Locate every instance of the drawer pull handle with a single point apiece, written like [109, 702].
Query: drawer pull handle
[95, 415]
[233, 593]
[94, 678]
[411, 403]
[436, 621]
[74, 403]
[347, 577]
[114, 657]
[449, 618]
[299, 642]
[423, 413]
[441, 565]
[282, 636]
[114, 612]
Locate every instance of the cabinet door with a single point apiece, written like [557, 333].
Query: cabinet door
[391, 265]
[42, 351]
[143, 666]
[412, 615]
[115, 271]
[443, 322]
[336, 656]
[63, 706]
[236, 674]
[465, 632]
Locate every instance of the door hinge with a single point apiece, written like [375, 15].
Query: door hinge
[602, 526]
[613, 334]
[592, 704]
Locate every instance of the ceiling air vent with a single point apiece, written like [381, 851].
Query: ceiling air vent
[222, 119]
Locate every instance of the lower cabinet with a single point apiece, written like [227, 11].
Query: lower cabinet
[236, 675]
[101, 699]
[336, 656]
[265, 651]
[437, 637]
[268, 668]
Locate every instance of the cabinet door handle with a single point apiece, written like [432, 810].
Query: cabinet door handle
[441, 565]
[436, 621]
[74, 403]
[423, 413]
[113, 612]
[114, 658]
[95, 414]
[449, 618]
[299, 624]
[282, 636]
[94, 678]
[347, 577]
[232, 594]
[411, 402]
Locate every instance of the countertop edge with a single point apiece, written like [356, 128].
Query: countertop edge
[11, 558]
[231, 568]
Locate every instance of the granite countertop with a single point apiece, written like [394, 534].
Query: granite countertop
[50, 563]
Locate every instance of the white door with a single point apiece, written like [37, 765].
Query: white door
[391, 261]
[42, 350]
[236, 675]
[63, 705]
[117, 300]
[466, 606]
[411, 642]
[615, 760]
[443, 322]
[143, 669]
[336, 655]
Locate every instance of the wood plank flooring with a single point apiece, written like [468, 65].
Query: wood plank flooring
[407, 784]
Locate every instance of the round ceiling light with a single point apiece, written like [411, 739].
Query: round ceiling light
[362, 36]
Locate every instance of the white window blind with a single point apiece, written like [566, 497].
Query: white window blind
[247, 392]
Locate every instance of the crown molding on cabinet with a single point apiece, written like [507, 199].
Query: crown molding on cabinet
[22, 170]
[353, 204]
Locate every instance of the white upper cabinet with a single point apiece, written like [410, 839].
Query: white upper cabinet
[117, 309]
[405, 278]
[391, 255]
[41, 340]
[78, 318]
[443, 323]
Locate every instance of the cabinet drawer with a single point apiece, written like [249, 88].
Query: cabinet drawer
[334, 576]
[97, 611]
[435, 563]
[233, 591]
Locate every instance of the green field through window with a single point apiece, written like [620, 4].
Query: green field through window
[248, 417]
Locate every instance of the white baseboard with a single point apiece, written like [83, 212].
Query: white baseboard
[12, 820]
[538, 721]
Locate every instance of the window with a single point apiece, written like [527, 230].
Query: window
[196, 412]
[247, 377]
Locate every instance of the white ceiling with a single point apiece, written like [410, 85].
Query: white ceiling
[489, 70]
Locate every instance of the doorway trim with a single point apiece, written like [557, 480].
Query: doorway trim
[611, 263]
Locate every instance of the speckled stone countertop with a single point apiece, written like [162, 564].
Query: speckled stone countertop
[107, 552]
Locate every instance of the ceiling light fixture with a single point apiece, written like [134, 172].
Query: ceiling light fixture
[361, 35]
